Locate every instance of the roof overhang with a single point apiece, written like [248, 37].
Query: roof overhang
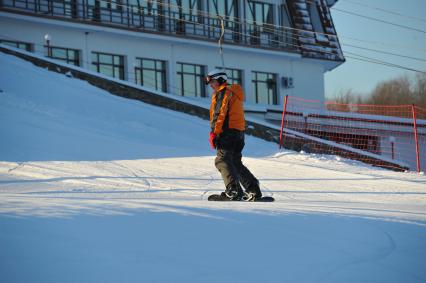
[330, 3]
[328, 65]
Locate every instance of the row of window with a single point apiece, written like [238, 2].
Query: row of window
[247, 22]
[18, 44]
[258, 12]
[153, 73]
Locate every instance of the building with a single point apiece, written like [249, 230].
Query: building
[273, 48]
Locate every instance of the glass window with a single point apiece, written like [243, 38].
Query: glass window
[18, 44]
[151, 14]
[187, 68]
[183, 12]
[260, 13]
[105, 59]
[315, 17]
[286, 23]
[112, 4]
[151, 73]
[225, 8]
[106, 70]
[285, 16]
[103, 63]
[118, 60]
[190, 80]
[264, 88]
[149, 7]
[58, 53]
[69, 56]
[189, 7]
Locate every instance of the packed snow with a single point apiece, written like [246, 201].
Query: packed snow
[98, 188]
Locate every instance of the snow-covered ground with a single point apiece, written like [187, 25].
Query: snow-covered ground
[97, 188]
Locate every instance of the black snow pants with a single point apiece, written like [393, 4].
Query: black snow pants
[228, 161]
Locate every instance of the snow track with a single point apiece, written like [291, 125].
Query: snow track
[96, 188]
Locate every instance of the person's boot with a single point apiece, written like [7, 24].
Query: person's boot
[234, 191]
[252, 193]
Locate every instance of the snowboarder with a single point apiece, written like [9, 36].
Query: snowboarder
[227, 137]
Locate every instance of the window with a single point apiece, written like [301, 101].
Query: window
[265, 88]
[18, 44]
[285, 21]
[260, 13]
[70, 56]
[149, 7]
[108, 64]
[189, 7]
[315, 17]
[105, 10]
[151, 73]
[150, 14]
[190, 80]
[116, 5]
[185, 12]
[225, 8]
[234, 75]
[285, 16]
[70, 8]
[229, 11]
[261, 21]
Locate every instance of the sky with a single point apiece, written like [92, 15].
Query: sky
[362, 77]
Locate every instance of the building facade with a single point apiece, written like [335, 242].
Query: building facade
[273, 48]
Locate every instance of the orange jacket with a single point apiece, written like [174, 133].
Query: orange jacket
[226, 109]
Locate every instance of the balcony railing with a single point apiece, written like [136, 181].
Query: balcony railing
[163, 21]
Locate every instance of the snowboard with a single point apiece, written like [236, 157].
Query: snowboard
[219, 198]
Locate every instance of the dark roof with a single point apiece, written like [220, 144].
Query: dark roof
[331, 3]
[314, 44]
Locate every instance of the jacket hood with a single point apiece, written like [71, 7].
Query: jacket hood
[237, 90]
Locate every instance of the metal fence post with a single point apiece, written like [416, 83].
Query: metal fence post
[282, 120]
[416, 137]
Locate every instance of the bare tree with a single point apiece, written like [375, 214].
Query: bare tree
[392, 92]
[402, 90]
[419, 91]
[345, 100]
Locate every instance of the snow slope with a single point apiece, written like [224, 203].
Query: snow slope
[97, 188]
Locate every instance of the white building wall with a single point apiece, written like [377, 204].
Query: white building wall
[308, 75]
[309, 80]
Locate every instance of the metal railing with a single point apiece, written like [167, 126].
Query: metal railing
[164, 21]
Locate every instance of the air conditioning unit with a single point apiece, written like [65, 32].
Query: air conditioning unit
[287, 82]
